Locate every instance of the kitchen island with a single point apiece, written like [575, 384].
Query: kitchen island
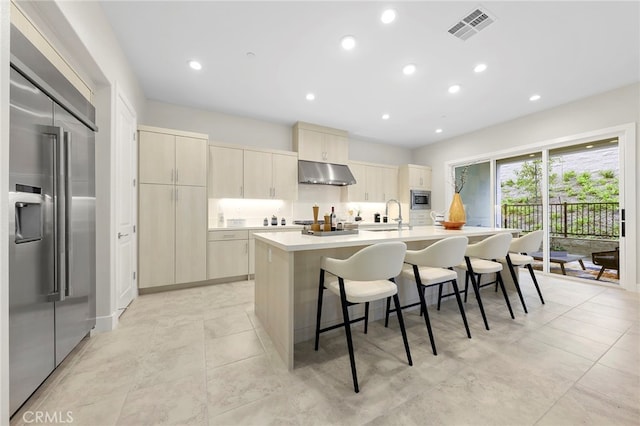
[287, 267]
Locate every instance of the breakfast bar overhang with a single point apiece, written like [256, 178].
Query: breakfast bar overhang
[287, 266]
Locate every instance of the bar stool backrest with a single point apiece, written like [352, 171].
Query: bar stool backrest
[527, 243]
[377, 262]
[442, 254]
[494, 247]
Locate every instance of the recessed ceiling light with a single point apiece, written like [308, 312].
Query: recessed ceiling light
[438, 130]
[534, 98]
[385, 116]
[388, 16]
[589, 146]
[195, 64]
[310, 96]
[532, 155]
[480, 67]
[454, 89]
[409, 69]
[348, 42]
[251, 55]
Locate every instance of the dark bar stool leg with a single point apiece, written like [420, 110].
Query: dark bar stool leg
[396, 302]
[476, 291]
[439, 295]
[386, 317]
[347, 329]
[319, 313]
[512, 269]
[464, 316]
[504, 292]
[366, 317]
[535, 282]
[466, 285]
[423, 307]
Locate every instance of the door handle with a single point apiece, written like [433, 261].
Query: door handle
[120, 235]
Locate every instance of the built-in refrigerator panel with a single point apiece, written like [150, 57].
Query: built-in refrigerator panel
[75, 315]
[31, 257]
[51, 219]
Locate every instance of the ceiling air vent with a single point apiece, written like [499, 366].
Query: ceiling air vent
[471, 24]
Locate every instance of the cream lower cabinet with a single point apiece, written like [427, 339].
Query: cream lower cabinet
[227, 253]
[172, 248]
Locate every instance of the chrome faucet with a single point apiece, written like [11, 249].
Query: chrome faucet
[399, 218]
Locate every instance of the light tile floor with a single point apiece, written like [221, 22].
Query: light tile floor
[199, 356]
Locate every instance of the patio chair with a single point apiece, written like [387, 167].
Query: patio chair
[608, 260]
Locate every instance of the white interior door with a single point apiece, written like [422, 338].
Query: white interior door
[126, 263]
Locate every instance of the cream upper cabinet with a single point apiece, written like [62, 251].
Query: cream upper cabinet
[258, 171]
[285, 176]
[157, 157]
[411, 176]
[191, 241]
[168, 158]
[357, 191]
[252, 173]
[191, 161]
[226, 176]
[318, 143]
[389, 183]
[376, 183]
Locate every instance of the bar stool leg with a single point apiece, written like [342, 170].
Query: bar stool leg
[466, 285]
[347, 329]
[535, 282]
[439, 294]
[423, 307]
[464, 317]
[396, 302]
[516, 283]
[476, 291]
[366, 317]
[386, 317]
[319, 312]
[504, 292]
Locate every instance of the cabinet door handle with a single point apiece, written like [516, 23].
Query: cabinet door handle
[241, 190]
[177, 194]
[172, 172]
[121, 235]
[176, 175]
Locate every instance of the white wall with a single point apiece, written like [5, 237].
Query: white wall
[92, 29]
[238, 130]
[614, 108]
[4, 201]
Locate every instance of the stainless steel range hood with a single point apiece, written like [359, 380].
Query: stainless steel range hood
[313, 172]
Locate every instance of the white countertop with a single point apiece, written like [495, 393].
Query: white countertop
[296, 241]
[257, 228]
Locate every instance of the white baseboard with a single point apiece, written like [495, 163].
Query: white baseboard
[106, 323]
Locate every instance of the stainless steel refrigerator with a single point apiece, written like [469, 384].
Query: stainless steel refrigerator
[51, 219]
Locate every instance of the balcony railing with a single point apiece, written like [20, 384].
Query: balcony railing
[566, 219]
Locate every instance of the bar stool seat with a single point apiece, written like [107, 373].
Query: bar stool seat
[430, 266]
[481, 258]
[366, 276]
[517, 256]
[363, 291]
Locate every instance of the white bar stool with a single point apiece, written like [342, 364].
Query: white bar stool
[480, 258]
[433, 266]
[518, 257]
[366, 276]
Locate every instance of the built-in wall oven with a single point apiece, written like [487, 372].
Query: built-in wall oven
[420, 199]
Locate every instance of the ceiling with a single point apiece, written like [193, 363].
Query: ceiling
[562, 51]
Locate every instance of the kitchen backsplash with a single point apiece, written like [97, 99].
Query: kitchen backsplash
[254, 211]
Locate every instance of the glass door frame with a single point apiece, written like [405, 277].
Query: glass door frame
[626, 135]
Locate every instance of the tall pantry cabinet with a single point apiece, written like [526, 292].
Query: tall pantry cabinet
[172, 207]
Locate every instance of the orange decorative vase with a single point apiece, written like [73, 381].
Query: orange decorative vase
[456, 210]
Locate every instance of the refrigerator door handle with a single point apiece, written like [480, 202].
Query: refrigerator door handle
[59, 205]
[68, 240]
